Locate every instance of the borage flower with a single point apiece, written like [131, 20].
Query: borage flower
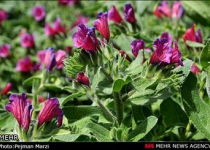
[194, 69]
[136, 46]
[191, 35]
[47, 58]
[24, 65]
[38, 13]
[4, 50]
[6, 89]
[168, 36]
[162, 10]
[85, 38]
[129, 13]
[60, 55]
[83, 79]
[58, 27]
[164, 55]
[101, 24]
[27, 40]
[21, 108]
[3, 16]
[177, 10]
[114, 15]
[49, 111]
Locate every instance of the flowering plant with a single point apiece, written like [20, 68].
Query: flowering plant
[136, 71]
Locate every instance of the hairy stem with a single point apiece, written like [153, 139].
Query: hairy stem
[118, 107]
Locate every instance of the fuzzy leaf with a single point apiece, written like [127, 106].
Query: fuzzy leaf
[205, 56]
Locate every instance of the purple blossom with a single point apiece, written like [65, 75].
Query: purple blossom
[38, 13]
[114, 15]
[129, 13]
[136, 46]
[5, 50]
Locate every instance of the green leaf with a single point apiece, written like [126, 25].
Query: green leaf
[205, 56]
[70, 97]
[7, 121]
[173, 113]
[198, 11]
[194, 44]
[207, 81]
[195, 107]
[74, 113]
[52, 87]
[100, 133]
[29, 81]
[141, 130]
[96, 79]
[184, 70]
[119, 83]
[136, 66]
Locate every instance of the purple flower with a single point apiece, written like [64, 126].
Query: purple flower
[101, 24]
[38, 13]
[129, 13]
[4, 50]
[48, 30]
[47, 58]
[21, 108]
[114, 15]
[6, 89]
[24, 65]
[58, 27]
[168, 36]
[59, 57]
[83, 79]
[177, 10]
[3, 16]
[68, 2]
[176, 55]
[85, 38]
[163, 52]
[191, 35]
[194, 69]
[49, 111]
[163, 10]
[136, 46]
[27, 40]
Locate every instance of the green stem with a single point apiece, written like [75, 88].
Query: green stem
[118, 107]
[126, 96]
[35, 133]
[188, 128]
[106, 74]
[107, 114]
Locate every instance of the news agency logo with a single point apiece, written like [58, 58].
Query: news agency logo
[168, 145]
[9, 137]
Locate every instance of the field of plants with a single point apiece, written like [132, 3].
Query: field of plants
[105, 71]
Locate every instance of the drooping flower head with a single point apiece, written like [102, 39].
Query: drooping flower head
[163, 10]
[129, 13]
[114, 15]
[3, 16]
[101, 24]
[136, 46]
[83, 79]
[191, 35]
[21, 108]
[47, 58]
[6, 89]
[85, 38]
[27, 40]
[177, 10]
[60, 55]
[50, 110]
[5, 50]
[38, 13]
[162, 53]
[24, 64]
[194, 69]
